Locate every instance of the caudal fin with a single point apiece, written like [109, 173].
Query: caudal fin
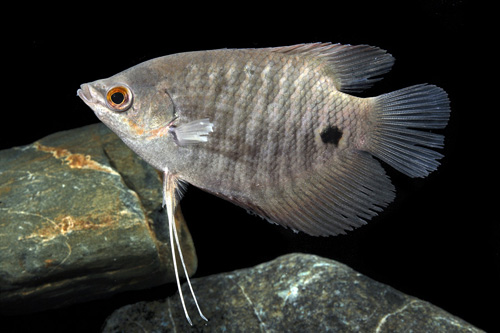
[395, 137]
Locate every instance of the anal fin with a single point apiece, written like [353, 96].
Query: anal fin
[330, 200]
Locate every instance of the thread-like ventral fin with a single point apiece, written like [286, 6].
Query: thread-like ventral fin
[170, 201]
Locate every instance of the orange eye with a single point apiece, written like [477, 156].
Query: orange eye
[119, 98]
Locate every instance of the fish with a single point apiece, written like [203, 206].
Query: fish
[278, 131]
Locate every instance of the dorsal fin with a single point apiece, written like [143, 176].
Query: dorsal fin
[354, 67]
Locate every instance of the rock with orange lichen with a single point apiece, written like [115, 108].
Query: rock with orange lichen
[80, 218]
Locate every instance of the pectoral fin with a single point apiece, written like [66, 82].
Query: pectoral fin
[193, 132]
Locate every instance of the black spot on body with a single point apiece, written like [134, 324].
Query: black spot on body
[331, 134]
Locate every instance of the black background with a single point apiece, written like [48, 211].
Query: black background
[439, 240]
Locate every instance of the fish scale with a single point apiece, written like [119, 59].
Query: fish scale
[246, 111]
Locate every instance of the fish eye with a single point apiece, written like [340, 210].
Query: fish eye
[119, 98]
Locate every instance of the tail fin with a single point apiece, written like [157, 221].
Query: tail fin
[397, 116]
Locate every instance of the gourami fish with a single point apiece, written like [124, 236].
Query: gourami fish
[275, 130]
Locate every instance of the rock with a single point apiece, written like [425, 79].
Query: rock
[80, 219]
[293, 293]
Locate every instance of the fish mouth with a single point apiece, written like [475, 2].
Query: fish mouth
[85, 93]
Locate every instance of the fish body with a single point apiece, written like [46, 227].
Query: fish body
[276, 130]
[288, 143]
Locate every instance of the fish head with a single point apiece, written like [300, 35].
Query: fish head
[134, 104]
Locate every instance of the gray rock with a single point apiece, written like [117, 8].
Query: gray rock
[80, 218]
[293, 293]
